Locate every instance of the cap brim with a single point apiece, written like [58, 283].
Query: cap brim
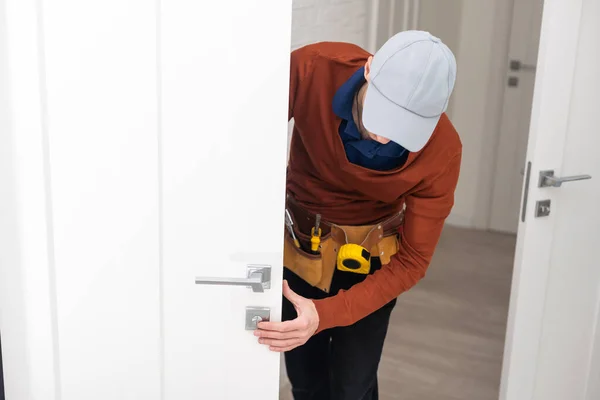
[384, 118]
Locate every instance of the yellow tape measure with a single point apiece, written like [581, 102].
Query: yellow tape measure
[354, 258]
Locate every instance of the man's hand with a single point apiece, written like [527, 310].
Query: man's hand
[285, 336]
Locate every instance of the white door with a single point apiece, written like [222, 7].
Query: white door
[553, 340]
[516, 114]
[224, 101]
[126, 173]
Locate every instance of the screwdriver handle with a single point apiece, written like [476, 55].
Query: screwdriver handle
[315, 240]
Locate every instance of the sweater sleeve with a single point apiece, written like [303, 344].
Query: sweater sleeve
[426, 211]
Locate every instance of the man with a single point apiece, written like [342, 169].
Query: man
[374, 162]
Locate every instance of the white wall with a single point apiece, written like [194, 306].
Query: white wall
[329, 20]
[444, 20]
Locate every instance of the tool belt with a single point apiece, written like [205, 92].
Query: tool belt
[380, 239]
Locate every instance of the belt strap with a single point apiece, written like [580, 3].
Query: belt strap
[305, 221]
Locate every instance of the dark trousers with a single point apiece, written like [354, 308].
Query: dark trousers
[339, 363]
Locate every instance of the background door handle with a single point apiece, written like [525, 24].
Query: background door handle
[516, 65]
[258, 279]
[547, 179]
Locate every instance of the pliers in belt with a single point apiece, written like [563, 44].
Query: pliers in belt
[290, 225]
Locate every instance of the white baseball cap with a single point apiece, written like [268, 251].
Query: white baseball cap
[411, 79]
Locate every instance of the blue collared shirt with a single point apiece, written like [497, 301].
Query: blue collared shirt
[364, 152]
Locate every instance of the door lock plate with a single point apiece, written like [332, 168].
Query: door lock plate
[254, 315]
[542, 208]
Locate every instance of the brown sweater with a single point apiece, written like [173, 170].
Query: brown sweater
[322, 180]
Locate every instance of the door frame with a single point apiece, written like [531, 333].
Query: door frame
[29, 285]
[1, 371]
[503, 213]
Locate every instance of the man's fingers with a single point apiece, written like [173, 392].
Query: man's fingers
[287, 326]
[289, 294]
[287, 335]
[282, 349]
[280, 343]
[277, 335]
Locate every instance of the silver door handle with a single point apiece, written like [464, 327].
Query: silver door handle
[258, 278]
[547, 179]
[254, 315]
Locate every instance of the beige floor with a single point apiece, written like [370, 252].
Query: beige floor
[446, 337]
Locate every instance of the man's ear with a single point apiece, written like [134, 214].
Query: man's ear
[368, 68]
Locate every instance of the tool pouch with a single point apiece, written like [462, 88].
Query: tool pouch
[317, 269]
